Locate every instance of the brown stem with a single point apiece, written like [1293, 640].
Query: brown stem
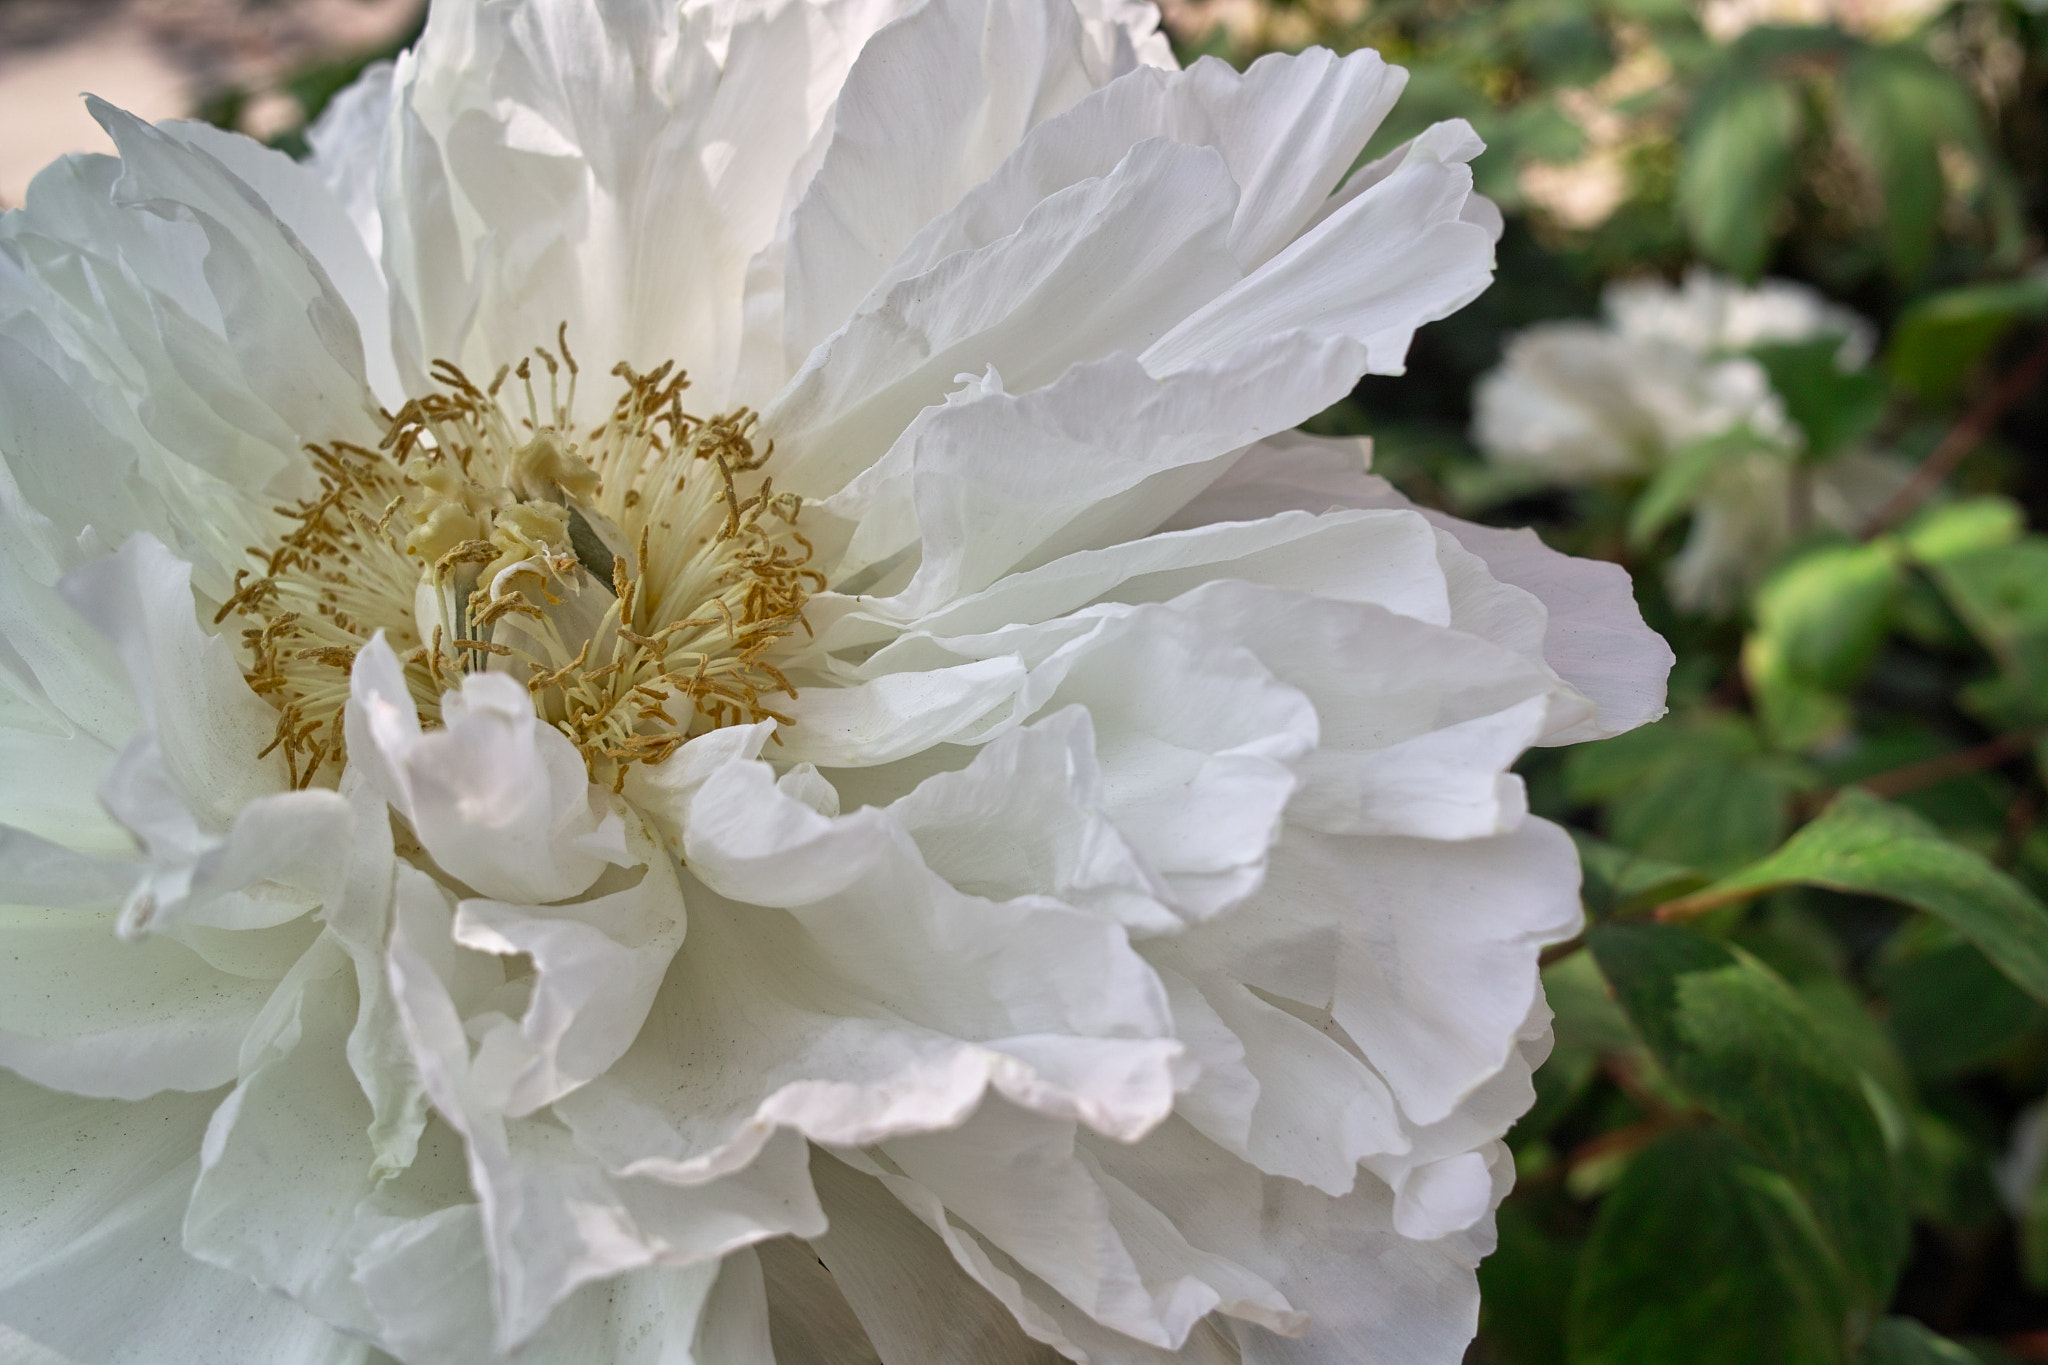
[1928, 771]
[2027, 1346]
[2020, 819]
[1629, 1138]
[1925, 773]
[1962, 438]
[1624, 1070]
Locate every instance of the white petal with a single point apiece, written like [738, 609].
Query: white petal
[1594, 638]
[1025, 817]
[553, 1218]
[311, 375]
[1349, 556]
[207, 726]
[281, 857]
[1086, 1236]
[1288, 128]
[896, 714]
[95, 1192]
[596, 963]
[1368, 1292]
[43, 873]
[316, 218]
[346, 142]
[887, 925]
[1418, 725]
[1443, 1197]
[1105, 265]
[500, 799]
[285, 1162]
[1311, 1110]
[996, 67]
[1194, 779]
[1002, 482]
[358, 918]
[513, 121]
[1397, 256]
[1196, 776]
[1435, 981]
[912, 1298]
[84, 1011]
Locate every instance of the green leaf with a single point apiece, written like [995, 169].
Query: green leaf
[1829, 609]
[1696, 792]
[1584, 1014]
[2001, 594]
[1525, 1288]
[1902, 1341]
[1737, 169]
[1958, 528]
[1832, 407]
[1700, 1256]
[1863, 845]
[1940, 339]
[1820, 620]
[1618, 879]
[1671, 492]
[1952, 1011]
[1900, 109]
[1735, 1037]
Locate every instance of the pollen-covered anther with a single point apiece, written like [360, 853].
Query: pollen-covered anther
[637, 575]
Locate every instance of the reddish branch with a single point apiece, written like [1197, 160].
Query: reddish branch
[1963, 437]
[1928, 771]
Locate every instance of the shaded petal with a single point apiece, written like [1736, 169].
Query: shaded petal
[1083, 1233]
[553, 1219]
[1369, 1293]
[596, 966]
[95, 1192]
[430, 1280]
[1594, 636]
[205, 725]
[84, 1011]
[912, 1298]
[1425, 953]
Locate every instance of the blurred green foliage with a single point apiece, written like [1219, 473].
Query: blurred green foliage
[1794, 1111]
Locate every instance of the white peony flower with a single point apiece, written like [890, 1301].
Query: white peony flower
[1637, 394]
[947, 836]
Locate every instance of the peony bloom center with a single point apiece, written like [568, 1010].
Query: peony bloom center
[636, 575]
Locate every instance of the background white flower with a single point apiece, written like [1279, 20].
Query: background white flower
[1664, 388]
[1036, 832]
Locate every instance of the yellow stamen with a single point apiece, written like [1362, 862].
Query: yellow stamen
[474, 541]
